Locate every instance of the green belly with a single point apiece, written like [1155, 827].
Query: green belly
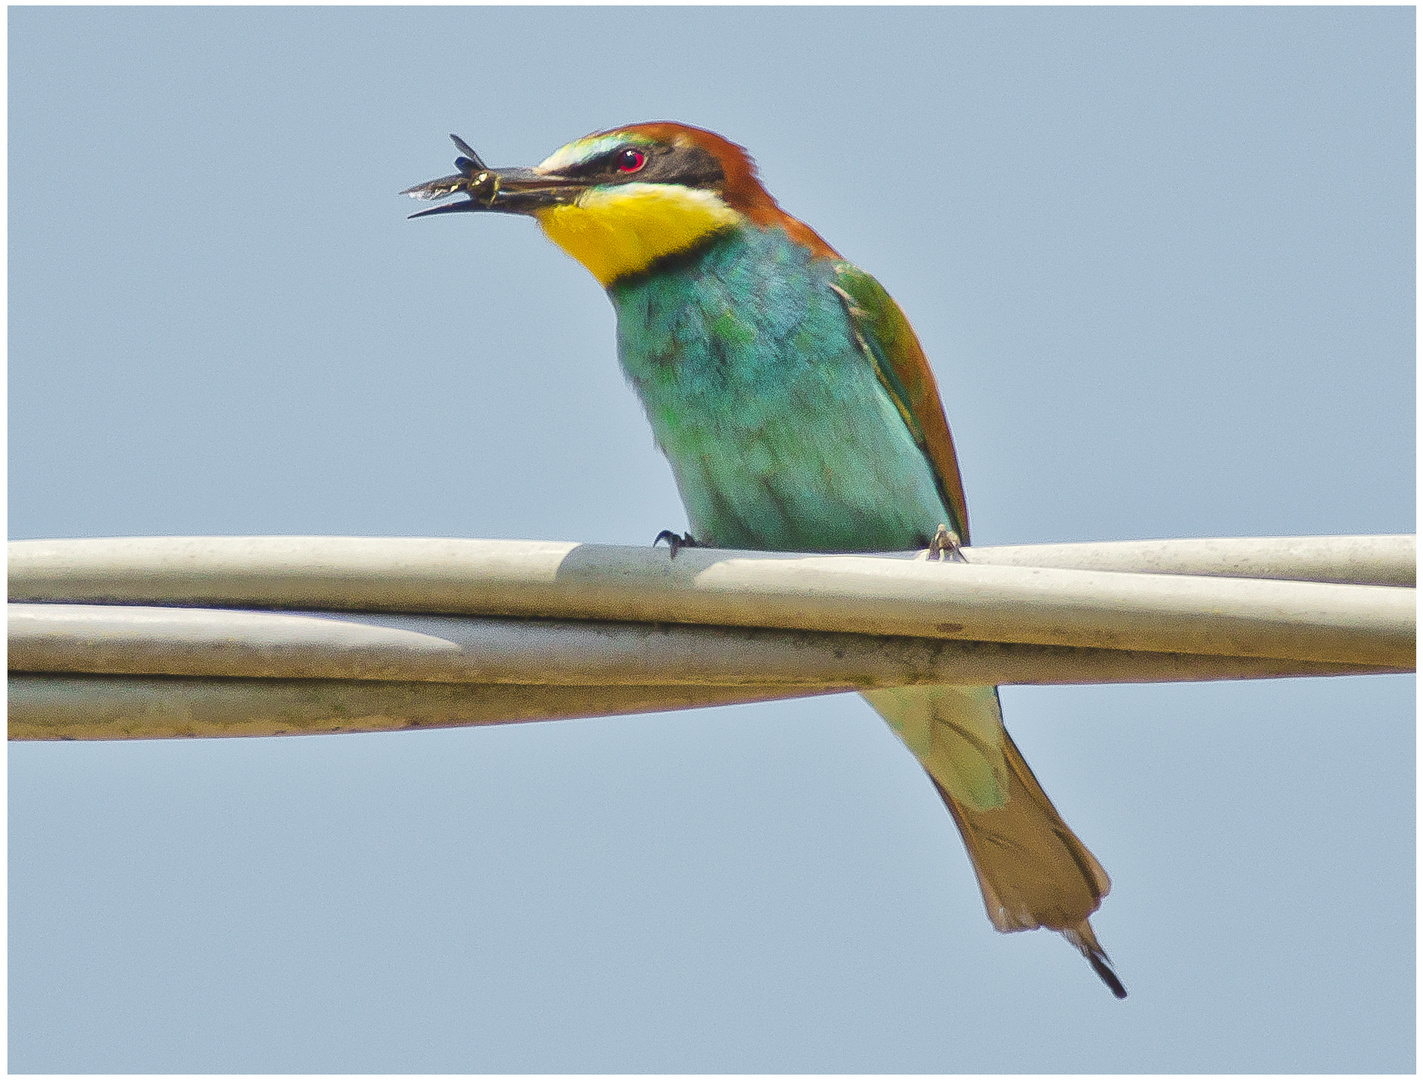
[777, 429]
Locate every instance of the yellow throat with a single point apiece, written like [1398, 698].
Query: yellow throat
[620, 230]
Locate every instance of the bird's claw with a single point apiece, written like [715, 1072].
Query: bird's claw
[675, 542]
[945, 545]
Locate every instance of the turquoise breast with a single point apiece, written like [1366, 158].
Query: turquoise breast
[778, 431]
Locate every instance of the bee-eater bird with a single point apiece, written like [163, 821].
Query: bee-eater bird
[798, 412]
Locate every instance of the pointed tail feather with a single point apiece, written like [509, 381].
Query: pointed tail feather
[1085, 941]
[1031, 868]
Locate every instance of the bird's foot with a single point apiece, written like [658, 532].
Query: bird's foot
[945, 545]
[675, 542]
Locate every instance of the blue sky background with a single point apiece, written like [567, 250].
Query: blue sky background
[1163, 263]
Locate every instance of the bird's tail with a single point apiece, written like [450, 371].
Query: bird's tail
[1032, 869]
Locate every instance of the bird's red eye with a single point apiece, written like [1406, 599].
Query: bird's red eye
[631, 160]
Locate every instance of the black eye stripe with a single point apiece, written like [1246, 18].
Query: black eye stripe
[611, 162]
[661, 164]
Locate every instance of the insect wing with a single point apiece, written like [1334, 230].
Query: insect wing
[442, 188]
[476, 163]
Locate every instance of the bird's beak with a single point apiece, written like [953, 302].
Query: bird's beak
[506, 191]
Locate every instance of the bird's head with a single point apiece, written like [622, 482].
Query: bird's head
[618, 201]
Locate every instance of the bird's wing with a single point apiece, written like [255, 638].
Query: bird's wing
[892, 346]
